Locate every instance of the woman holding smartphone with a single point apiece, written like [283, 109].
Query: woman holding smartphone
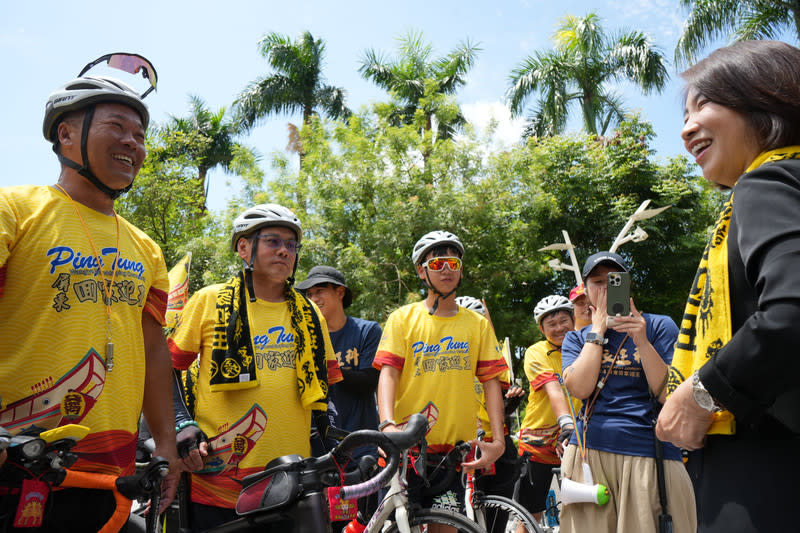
[735, 394]
[620, 372]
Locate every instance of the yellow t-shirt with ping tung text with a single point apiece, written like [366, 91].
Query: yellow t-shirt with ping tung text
[54, 328]
[247, 427]
[438, 358]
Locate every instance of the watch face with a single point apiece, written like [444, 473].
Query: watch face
[703, 399]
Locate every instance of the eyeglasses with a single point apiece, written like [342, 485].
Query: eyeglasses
[273, 241]
[438, 263]
[130, 63]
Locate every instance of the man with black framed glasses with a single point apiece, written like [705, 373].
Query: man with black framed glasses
[429, 355]
[257, 357]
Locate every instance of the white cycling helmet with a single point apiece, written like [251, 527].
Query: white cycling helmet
[432, 240]
[263, 215]
[471, 303]
[550, 304]
[85, 91]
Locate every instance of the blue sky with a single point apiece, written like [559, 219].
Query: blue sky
[209, 49]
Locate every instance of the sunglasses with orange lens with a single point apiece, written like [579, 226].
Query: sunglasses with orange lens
[438, 263]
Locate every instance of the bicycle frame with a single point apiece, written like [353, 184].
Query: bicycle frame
[307, 508]
[395, 500]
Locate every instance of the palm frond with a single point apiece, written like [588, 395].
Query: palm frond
[708, 21]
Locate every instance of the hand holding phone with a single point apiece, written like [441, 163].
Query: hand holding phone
[619, 296]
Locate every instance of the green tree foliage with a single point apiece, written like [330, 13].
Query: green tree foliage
[165, 199]
[371, 197]
[578, 70]
[418, 82]
[216, 145]
[740, 20]
[166, 202]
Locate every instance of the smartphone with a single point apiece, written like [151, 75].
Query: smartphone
[619, 295]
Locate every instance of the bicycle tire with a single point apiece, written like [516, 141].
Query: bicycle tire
[423, 517]
[506, 510]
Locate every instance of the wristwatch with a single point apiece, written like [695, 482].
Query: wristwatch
[702, 396]
[385, 423]
[595, 338]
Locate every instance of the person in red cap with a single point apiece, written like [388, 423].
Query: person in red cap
[580, 306]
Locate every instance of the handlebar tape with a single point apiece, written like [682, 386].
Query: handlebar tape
[87, 480]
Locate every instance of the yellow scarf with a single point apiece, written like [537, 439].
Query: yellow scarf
[706, 323]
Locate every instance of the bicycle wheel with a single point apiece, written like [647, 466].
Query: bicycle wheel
[502, 515]
[419, 520]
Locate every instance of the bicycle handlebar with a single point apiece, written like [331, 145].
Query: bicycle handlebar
[48, 457]
[390, 443]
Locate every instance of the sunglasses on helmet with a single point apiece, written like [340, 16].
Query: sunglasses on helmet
[438, 263]
[130, 63]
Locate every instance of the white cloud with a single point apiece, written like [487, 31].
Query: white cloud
[507, 130]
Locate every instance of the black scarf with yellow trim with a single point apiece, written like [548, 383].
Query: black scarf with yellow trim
[232, 355]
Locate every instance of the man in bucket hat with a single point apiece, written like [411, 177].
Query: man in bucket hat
[354, 342]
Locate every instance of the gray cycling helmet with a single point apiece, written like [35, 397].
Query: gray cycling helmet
[85, 91]
[549, 305]
[432, 240]
[263, 215]
[471, 303]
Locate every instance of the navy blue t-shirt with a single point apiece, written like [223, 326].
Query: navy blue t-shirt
[621, 421]
[355, 345]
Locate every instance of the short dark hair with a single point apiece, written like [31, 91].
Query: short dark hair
[444, 250]
[761, 80]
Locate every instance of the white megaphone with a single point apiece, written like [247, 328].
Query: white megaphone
[574, 492]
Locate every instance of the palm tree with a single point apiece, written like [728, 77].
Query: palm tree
[297, 86]
[417, 81]
[741, 19]
[215, 132]
[578, 69]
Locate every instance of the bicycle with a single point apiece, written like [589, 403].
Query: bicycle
[493, 513]
[46, 457]
[290, 494]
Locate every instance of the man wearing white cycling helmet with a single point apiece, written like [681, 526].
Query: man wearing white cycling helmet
[429, 355]
[548, 419]
[258, 361]
[83, 294]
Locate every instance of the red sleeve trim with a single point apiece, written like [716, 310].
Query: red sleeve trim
[156, 305]
[388, 358]
[334, 372]
[542, 379]
[180, 359]
[490, 369]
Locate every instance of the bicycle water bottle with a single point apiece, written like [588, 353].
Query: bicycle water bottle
[354, 526]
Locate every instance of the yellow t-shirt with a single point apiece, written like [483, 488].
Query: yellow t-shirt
[540, 428]
[439, 357]
[483, 415]
[248, 427]
[54, 326]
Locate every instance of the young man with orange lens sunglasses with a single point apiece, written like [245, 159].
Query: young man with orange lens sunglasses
[428, 357]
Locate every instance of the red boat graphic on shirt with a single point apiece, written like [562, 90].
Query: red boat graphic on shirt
[431, 413]
[227, 449]
[53, 404]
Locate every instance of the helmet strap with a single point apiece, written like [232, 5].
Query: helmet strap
[437, 292]
[84, 170]
[248, 267]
